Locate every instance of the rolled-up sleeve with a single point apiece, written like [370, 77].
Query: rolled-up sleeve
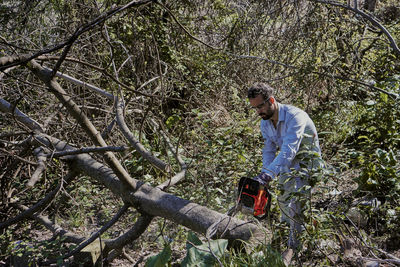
[268, 154]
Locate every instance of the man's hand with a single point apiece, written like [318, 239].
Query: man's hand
[263, 179]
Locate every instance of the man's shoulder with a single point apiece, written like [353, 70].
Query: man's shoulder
[292, 111]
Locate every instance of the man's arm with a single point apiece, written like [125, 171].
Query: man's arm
[290, 146]
[268, 154]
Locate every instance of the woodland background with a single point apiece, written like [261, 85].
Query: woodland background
[146, 91]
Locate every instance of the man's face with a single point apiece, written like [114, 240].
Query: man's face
[263, 107]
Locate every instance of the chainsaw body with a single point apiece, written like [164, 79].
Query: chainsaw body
[254, 198]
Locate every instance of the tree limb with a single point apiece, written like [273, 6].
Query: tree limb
[83, 84]
[158, 203]
[41, 166]
[79, 31]
[87, 150]
[94, 236]
[83, 121]
[370, 18]
[54, 228]
[20, 116]
[135, 143]
[134, 233]
[40, 204]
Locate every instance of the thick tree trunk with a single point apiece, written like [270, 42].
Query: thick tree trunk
[155, 202]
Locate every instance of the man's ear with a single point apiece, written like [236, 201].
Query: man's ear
[271, 100]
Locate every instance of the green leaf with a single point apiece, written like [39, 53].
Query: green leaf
[200, 254]
[192, 240]
[160, 259]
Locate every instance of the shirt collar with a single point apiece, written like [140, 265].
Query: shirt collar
[281, 112]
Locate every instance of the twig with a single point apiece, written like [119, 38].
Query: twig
[39, 205]
[54, 228]
[19, 158]
[82, 29]
[369, 18]
[116, 217]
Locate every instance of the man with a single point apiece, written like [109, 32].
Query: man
[289, 130]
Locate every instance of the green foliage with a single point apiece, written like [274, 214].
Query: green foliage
[263, 255]
[379, 174]
[198, 253]
[161, 259]
[203, 254]
[377, 137]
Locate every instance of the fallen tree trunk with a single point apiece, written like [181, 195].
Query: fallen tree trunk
[155, 202]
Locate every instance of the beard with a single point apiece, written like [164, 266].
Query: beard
[266, 116]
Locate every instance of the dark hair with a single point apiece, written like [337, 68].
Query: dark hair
[260, 89]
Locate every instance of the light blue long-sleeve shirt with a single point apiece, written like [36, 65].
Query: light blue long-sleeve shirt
[294, 129]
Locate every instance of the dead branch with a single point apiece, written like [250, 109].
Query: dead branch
[87, 150]
[40, 204]
[82, 84]
[94, 236]
[83, 121]
[135, 143]
[134, 233]
[19, 116]
[54, 228]
[41, 166]
[368, 17]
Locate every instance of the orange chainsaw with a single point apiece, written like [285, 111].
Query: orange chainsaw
[253, 198]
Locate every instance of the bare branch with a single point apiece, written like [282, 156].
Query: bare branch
[368, 17]
[134, 233]
[40, 204]
[135, 143]
[82, 29]
[87, 150]
[83, 121]
[20, 116]
[41, 166]
[83, 84]
[116, 217]
[54, 228]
